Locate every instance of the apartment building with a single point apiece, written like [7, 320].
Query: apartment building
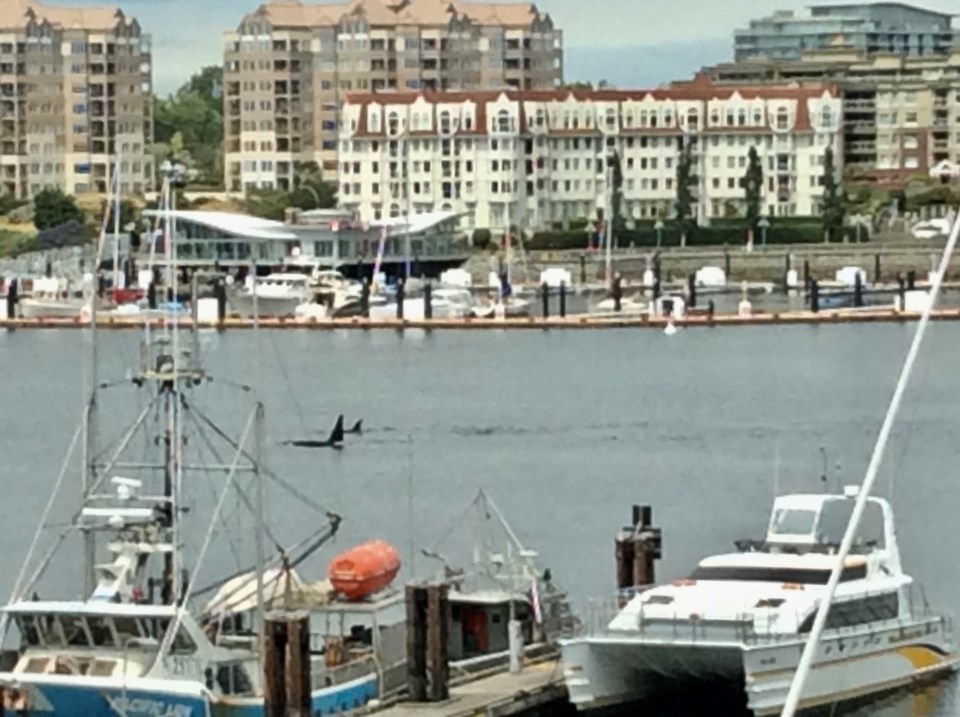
[288, 65]
[871, 28]
[901, 115]
[75, 91]
[537, 157]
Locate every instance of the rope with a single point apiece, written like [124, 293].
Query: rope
[286, 380]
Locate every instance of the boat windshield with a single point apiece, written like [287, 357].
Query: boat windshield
[792, 521]
[756, 574]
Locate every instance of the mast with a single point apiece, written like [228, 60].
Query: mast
[116, 225]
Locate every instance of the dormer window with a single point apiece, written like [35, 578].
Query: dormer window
[393, 124]
[374, 121]
[504, 121]
[446, 126]
[783, 118]
[742, 118]
[826, 118]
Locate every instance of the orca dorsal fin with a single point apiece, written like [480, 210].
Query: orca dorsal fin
[357, 427]
[336, 435]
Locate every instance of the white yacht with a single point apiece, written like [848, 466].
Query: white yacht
[52, 299]
[276, 295]
[745, 617]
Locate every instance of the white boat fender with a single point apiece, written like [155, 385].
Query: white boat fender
[670, 329]
[745, 308]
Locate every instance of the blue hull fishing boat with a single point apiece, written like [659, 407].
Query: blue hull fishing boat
[145, 638]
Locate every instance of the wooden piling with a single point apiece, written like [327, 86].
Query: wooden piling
[545, 299]
[298, 677]
[428, 301]
[365, 299]
[438, 664]
[274, 667]
[400, 297]
[636, 548]
[416, 643]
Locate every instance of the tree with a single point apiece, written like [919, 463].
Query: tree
[833, 209]
[753, 188]
[51, 208]
[190, 123]
[686, 181]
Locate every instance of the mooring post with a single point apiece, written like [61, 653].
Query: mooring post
[12, 298]
[617, 293]
[428, 301]
[416, 606]
[365, 298]
[545, 299]
[911, 279]
[692, 290]
[563, 299]
[876, 269]
[274, 668]
[901, 292]
[583, 269]
[220, 289]
[858, 290]
[438, 626]
[152, 294]
[726, 264]
[814, 296]
[637, 547]
[400, 293]
[806, 273]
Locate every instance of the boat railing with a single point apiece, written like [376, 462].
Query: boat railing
[752, 627]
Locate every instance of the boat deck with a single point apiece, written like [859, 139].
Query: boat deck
[499, 695]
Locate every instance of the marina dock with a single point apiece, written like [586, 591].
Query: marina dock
[587, 321]
[499, 695]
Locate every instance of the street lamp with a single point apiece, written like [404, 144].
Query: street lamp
[763, 224]
[659, 227]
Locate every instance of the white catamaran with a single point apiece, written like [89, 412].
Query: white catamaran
[745, 617]
[138, 641]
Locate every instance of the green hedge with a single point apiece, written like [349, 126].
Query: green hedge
[714, 235]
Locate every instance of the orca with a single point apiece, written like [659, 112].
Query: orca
[335, 440]
[357, 428]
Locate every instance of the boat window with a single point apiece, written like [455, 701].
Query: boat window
[28, 630]
[834, 519]
[776, 575]
[36, 665]
[847, 613]
[233, 680]
[103, 668]
[74, 631]
[100, 631]
[127, 628]
[788, 521]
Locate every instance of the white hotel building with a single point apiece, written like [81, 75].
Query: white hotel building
[536, 157]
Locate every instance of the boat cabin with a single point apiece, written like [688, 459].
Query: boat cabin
[479, 623]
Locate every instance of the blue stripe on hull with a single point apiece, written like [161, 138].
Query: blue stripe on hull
[78, 701]
[328, 701]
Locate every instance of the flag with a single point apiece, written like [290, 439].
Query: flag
[535, 599]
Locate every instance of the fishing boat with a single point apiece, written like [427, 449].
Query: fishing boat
[152, 633]
[52, 298]
[744, 617]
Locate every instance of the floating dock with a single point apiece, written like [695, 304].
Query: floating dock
[499, 695]
[605, 321]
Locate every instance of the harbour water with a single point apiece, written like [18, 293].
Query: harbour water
[564, 429]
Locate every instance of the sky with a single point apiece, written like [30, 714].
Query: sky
[630, 43]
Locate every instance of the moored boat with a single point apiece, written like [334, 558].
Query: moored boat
[744, 617]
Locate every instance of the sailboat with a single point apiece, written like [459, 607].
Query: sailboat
[147, 637]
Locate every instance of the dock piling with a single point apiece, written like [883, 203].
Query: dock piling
[726, 264]
[806, 273]
[617, 293]
[583, 269]
[692, 290]
[901, 291]
[911, 279]
[365, 298]
[220, 292]
[545, 299]
[858, 290]
[152, 295]
[814, 296]
[428, 668]
[638, 546]
[428, 301]
[563, 300]
[400, 294]
[12, 298]
[877, 274]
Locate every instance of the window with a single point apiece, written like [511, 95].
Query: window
[798, 576]
[846, 613]
[826, 118]
[783, 119]
[504, 122]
